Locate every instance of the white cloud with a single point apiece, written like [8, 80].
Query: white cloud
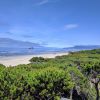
[42, 2]
[71, 26]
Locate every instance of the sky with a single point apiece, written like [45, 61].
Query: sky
[52, 23]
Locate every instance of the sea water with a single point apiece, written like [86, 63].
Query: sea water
[6, 51]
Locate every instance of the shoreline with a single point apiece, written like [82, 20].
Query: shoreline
[24, 59]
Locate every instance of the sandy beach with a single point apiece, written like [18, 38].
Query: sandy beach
[24, 59]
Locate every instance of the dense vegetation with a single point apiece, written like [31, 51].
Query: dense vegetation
[75, 76]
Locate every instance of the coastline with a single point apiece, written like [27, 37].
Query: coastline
[24, 59]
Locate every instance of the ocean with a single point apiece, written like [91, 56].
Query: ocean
[6, 51]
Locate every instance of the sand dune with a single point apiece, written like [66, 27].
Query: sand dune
[16, 60]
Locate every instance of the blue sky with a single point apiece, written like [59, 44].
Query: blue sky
[56, 23]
